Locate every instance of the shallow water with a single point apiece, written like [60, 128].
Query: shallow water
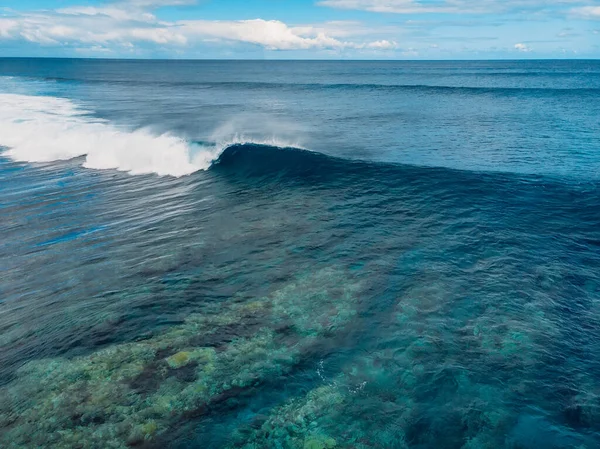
[425, 277]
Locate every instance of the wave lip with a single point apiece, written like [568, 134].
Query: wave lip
[44, 129]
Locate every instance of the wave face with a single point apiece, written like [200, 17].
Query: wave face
[254, 159]
[46, 129]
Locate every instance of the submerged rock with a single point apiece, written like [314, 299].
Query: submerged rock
[319, 442]
[178, 360]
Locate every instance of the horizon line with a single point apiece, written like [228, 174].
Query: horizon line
[296, 60]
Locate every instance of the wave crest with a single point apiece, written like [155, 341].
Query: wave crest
[45, 129]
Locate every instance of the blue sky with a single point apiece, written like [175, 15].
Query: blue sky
[294, 29]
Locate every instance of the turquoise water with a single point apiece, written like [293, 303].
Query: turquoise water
[299, 254]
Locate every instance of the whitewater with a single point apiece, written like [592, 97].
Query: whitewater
[36, 128]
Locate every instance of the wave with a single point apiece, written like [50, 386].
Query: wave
[259, 158]
[265, 164]
[45, 129]
[37, 128]
[274, 163]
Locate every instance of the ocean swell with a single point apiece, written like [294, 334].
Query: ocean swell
[46, 129]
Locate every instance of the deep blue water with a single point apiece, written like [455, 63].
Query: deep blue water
[299, 254]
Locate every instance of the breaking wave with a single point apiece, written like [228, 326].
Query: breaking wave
[45, 129]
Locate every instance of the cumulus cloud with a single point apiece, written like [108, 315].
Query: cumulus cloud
[522, 47]
[7, 26]
[274, 35]
[125, 23]
[271, 34]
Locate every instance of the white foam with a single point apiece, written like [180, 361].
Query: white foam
[43, 129]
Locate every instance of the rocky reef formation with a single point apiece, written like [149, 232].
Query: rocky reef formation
[128, 394]
[437, 367]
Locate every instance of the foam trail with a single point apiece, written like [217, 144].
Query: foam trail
[43, 129]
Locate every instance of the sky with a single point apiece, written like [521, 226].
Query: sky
[301, 29]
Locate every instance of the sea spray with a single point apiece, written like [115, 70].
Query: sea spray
[44, 128]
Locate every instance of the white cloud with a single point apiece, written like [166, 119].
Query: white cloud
[94, 49]
[124, 24]
[7, 26]
[271, 34]
[91, 28]
[382, 45]
[158, 35]
[522, 47]
[112, 12]
[591, 12]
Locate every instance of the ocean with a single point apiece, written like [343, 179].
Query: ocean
[299, 254]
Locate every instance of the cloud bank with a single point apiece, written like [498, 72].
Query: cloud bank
[126, 24]
[430, 29]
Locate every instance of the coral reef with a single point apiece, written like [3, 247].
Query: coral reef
[410, 382]
[461, 385]
[296, 425]
[130, 393]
